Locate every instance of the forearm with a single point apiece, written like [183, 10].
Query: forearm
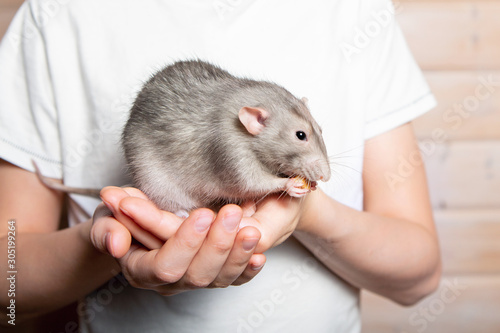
[389, 256]
[55, 269]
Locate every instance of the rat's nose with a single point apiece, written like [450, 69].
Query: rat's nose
[319, 170]
[326, 173]
[324, 170]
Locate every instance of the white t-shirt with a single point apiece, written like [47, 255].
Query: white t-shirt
[69, 71]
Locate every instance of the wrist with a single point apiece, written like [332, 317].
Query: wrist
[324, 218]
[313, 211]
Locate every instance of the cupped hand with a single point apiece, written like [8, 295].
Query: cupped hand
[277, 217]
[175, 255]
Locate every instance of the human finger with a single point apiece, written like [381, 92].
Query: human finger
[239, 257]
[276, 218]
[248, 208]
[160, 223]
[135, 192]
[211, 257]
[169, 264]
[108, 235]
[111, 197]
[253, 268]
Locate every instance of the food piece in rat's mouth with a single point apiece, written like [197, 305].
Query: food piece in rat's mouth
[301, 182]
[305, 183]
[299, 186]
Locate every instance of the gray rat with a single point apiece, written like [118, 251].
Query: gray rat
[198, 136]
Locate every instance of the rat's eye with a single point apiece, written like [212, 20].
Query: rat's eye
[301, 135]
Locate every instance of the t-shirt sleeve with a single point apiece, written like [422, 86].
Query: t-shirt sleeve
[396, 89]
[28, 115]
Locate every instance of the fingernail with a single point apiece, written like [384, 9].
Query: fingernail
[256, 268]
[231, 222]
[124, 211]
[203, 222]
[249, 243]
[110, 207]
[107, 241]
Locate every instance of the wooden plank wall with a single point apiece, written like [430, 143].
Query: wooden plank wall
[457, 44]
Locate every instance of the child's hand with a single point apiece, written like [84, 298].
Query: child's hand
[175, 255]
[276, 217]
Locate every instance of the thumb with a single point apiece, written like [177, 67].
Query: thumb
[108, 235]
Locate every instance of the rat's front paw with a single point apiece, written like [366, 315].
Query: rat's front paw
[298, 187]
[182, 213]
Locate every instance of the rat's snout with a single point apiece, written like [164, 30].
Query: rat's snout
[318, 169]
[325, 171]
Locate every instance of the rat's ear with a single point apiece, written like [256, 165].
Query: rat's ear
[304, 100]
[253, 119]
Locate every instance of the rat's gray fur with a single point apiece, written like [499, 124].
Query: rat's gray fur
[186, 147]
